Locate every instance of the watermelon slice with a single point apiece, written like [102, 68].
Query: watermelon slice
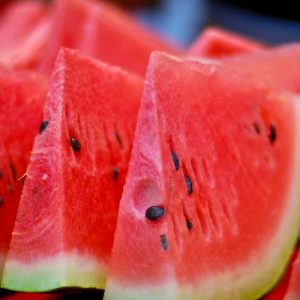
[216, 42]
[289, 286]
[24, 28]
[211, 206]
[21, 100]
[103, 32]
[68, 210]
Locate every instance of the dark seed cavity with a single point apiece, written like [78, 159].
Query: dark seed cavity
[175, 160]
[13, 171]
[115, 173]
[43, 126]
[164, 242]
[119, 139]
[256, 127]
[154, 213]
[75, 144]
[272, 134]
[1, 173]
[189, 224]
[1, 201]
[188, 183]
[10, 188]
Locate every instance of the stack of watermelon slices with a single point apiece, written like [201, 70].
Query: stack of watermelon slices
[178, 184]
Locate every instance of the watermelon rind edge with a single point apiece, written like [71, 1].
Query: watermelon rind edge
[64, 270]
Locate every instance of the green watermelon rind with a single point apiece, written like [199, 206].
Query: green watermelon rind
[263, 274]
[71, 269]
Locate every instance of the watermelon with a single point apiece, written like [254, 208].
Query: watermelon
[289, 286]
[103, 32]
[277, 67]
[21, 100]
[63, 234]
[211, 206]
[24, 27]
[216, 42]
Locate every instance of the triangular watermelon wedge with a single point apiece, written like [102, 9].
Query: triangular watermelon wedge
[103, 32]
[24, 29]
[217, 42]
[67, 214]
[211, 206]
[22, 96]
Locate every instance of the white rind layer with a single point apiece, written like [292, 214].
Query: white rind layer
[64, 270]
[249, 281]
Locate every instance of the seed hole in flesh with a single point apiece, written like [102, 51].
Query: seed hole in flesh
[189, 224]
[75, 144]
[43, 126]
[256, 127]
[272, 134]
[13, 171]
[1, 201]
[189, 184]
[154, 213]
[175, 160]
[164, 242]
[119, 139]
[10, 188]
[115, 173]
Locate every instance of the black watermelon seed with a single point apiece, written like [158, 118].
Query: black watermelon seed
[115, 173]
[1, 201]
[43, 126]
[13, 171]
[164, 242]
[188, 183]
[75, 144]
[154, 212]
[175, 160]
[256, 127]
[272, 134]
[189, 224]
[119, 139]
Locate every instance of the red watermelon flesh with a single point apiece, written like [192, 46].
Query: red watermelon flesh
[210, 209]
[66, 218]
[24, 27]
[289, 286]
[103, 32]
[21, 100]
[216, 42]
[278, 67]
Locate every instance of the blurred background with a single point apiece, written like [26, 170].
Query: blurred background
[269, 21]
[181, 20]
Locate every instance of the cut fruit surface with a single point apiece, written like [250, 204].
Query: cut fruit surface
[211, 206]
[216, 42]
[21, 103]
[67, 214]
[277, 67]
[103, 32]
[24, 28]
